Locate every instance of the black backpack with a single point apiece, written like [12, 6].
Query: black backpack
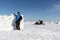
[20, 18]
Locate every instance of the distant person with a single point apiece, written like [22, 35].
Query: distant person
[18, 18]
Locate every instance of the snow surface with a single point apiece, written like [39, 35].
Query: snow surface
[6, 22]
[49, 31]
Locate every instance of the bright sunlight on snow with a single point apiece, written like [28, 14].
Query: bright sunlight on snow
[49, 31]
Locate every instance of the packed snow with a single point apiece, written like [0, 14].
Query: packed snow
[49, 31]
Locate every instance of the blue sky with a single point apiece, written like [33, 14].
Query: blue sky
[32, 9]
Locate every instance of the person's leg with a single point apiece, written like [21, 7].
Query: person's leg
[17, 26]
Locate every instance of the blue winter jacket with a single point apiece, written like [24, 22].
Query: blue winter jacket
[17, 17]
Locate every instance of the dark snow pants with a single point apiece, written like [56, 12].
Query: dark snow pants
[18, 25]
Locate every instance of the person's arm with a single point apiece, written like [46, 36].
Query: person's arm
[14, 14]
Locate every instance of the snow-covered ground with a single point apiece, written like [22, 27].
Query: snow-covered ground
[49, 31]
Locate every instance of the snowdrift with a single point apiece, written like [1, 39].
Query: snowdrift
[7, 23]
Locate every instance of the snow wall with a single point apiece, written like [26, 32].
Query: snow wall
[7, 23]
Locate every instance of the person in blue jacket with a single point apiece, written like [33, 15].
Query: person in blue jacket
[18, 18]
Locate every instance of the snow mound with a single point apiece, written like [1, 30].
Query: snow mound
[6, 22]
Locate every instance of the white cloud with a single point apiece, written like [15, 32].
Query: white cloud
[57, 7]
[53, 8]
